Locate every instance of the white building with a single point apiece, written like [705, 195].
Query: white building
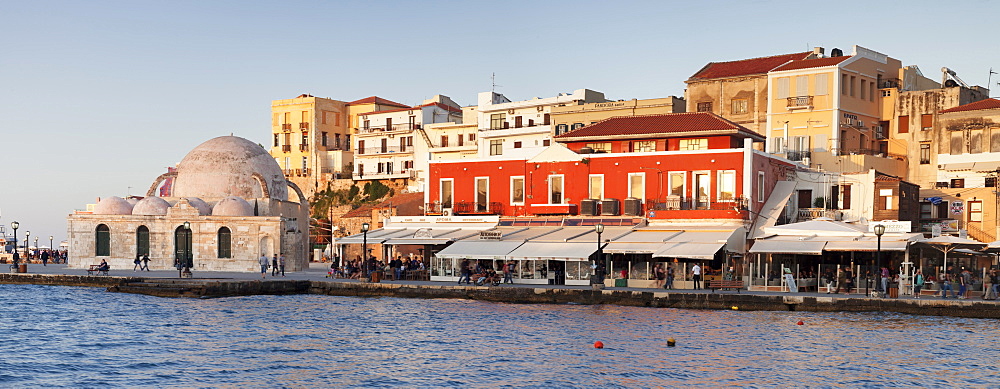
[522, 129]
[389, 143]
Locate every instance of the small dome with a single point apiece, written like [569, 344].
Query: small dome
[203, 208]
[113, 205]
[232, 206]
[152, 206]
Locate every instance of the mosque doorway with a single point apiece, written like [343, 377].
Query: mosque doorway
[267, 246]
[183, 254]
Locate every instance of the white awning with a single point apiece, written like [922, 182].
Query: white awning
[631, 248]
[479, 249]
[375, 236]
[690, 250]
[788, 247]
[551, 250]
[866, 245]
[774, 206]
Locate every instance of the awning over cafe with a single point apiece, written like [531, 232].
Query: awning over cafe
[427, 236]
[866, 245]
[690, 250]
[481, 249]
[772, 246]
[553, 250]
[375, 236]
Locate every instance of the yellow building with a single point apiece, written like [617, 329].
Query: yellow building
[311, 139]
[568, 117]
[825, 112]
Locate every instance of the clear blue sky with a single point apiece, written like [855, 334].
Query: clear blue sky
[100, 96]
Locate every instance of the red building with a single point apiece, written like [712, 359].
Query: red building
[684, 166]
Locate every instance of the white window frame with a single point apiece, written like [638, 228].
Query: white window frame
[590, 186]
[441, 191]
[643, 189]
[670, 183]
[562, 188]
[685, 144]
[475, 191]
[694, 186]
[760, 187]
[719, 184]
[523, 196]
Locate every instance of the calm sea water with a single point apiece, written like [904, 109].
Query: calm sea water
[85, 337]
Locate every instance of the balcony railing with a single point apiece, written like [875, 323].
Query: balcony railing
[286, 127]
[510, 125]
[436, 208]
[470, 208]
[677, 203]
[303, 126]
[297, 172]
[385, 175]
[394, 127]
[806, 214]
[800, 102]
[873, 152]
[384, 150]
[796, 155]
[286, 148]
[304, 147]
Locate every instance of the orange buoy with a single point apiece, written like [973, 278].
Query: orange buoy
[800, 322]
[598, 344]
[671, 342]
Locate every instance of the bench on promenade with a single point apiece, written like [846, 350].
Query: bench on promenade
[96, 269]
[724, 284]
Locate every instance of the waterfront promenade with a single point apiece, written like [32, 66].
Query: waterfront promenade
[313, 281]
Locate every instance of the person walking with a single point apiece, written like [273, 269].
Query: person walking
[508, 272]
[263, 265]
[696, 276]
[669, 282]
[274, 265]
[660, 275]
[945, 282]
[137, 262]
[145, 262]
[45, 258]
[281, 264]
[995, 281]
[465, 272]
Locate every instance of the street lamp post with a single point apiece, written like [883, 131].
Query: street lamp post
[187, 253]
[27, 238]
[14, 226]
[879, 230]
[598, 278]
[51, 250]
[364, 247]
[36, 245]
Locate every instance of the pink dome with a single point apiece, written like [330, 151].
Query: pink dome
[152, 206]
[113, 205]
[232, 206]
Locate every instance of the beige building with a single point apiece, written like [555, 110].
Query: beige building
[568, 117]
[737, 90]
[310, 139]
[226, 204]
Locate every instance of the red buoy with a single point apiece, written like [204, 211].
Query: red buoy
[800, 322]
[598, 344]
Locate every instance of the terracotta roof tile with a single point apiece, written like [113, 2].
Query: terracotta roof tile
[659, 124]
[812, 63]
[376, 100]
[746, 66]
[406, 204]
[982, 104]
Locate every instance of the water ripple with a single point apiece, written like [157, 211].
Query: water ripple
[84, 337]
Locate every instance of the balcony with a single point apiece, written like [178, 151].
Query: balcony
[435, 208]
[405, 127]
[470, 208]
[303, 126]
[304, 147]
[806, 214]
[874, 153]
[384, 150]
[296, 172]
[799, 102]
[796, 155]
[411, 174]
[286, 127]
[677, 203]
[286, 148]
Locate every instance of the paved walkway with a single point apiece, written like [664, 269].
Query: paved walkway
[317, 272]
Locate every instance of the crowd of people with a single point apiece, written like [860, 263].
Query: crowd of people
[397, 268]
[43, 257]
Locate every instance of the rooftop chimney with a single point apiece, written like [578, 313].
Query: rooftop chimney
[818, 52]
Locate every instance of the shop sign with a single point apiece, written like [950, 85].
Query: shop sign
[490, 235]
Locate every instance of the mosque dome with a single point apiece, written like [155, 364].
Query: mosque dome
[151, 206]
[113, 205]
[229, 166]
[232, 206]
[203, 208]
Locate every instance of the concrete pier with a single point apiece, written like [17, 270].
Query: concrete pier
[518, 294]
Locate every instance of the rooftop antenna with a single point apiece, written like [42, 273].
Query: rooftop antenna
[493, 81]
[990, 78]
